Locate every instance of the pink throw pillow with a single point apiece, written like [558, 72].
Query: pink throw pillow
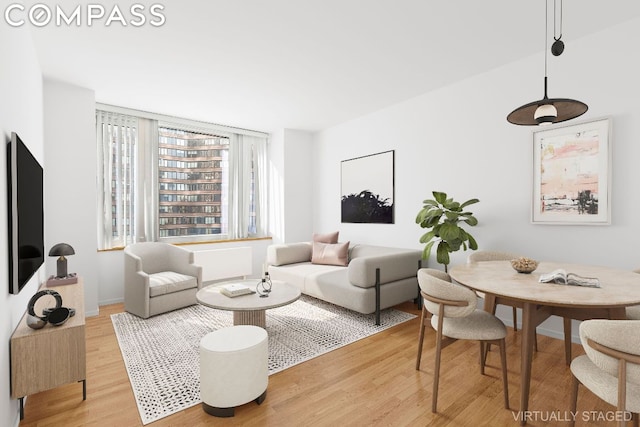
[330, 254]
[326, 238]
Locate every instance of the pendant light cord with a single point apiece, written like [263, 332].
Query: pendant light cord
[554, 20]
[546, 31]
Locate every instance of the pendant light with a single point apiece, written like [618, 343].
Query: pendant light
[548, 110]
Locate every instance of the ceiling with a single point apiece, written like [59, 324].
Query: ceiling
[300, 64]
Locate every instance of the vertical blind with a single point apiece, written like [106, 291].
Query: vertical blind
[117, 153]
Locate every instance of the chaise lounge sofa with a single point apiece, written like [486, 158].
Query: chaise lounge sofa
[372, 278]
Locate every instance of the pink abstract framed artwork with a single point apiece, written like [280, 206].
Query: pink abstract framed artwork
[572, 174]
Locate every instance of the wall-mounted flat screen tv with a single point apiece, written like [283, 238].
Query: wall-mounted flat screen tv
[26, 214]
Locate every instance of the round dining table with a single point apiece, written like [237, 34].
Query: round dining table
[501, 284]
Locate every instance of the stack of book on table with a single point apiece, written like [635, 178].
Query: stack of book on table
[235, 289]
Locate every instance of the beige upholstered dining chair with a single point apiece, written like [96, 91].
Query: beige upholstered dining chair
[611, 366]
[159, 277]
[455, 317]
[479, 256]
[633, 312]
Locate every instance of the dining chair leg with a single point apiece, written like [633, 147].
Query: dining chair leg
[487, 348]
[436, 375]
[483, 359]
[423, 319]
[535, 341]
[622, 422]
[574, 398]
[622, 390]
[490, 306]
[634, 420]
[436, 370]
[505, 380]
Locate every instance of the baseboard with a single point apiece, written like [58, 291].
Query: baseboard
[110, 301]
[553, 333]
[16, 420]
[559, 335]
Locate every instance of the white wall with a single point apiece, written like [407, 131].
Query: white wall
[20, 112]
[291, 198]
[457, 140]
[70, 181]
[298, 195]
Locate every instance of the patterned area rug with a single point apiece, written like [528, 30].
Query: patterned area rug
[162, 357]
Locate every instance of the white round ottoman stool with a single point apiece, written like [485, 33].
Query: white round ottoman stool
[233, 368]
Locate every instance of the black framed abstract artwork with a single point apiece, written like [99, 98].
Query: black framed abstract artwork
[367, 189]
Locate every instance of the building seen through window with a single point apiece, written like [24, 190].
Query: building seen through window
[193, 176]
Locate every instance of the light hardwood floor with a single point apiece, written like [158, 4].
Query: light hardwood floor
[371, 382]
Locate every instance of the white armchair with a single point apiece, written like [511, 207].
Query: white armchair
[159, 277]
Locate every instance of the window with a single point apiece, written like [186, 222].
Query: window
[188, 189]
[177, 182]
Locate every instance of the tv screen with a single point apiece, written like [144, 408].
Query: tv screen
[26, 214]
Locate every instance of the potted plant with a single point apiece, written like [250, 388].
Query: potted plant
[442, 216]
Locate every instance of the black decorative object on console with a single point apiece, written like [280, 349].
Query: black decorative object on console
[60, 250]
[55, 315]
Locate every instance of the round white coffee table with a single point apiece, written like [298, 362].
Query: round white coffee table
[248, 309]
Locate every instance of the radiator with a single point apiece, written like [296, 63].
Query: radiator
[220, 264]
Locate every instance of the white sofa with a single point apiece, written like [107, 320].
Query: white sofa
[376, 277]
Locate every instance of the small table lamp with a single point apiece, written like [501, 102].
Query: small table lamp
[61, 249]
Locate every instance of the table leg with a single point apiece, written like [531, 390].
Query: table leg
[567, 340]
[617, 313]
[250, 317]
[528, 335]
[490, 303]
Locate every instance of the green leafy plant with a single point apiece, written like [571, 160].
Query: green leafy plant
[442, 216]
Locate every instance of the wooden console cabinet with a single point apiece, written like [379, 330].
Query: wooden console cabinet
[45, 358]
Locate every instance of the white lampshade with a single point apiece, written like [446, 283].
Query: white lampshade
[545, 114]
